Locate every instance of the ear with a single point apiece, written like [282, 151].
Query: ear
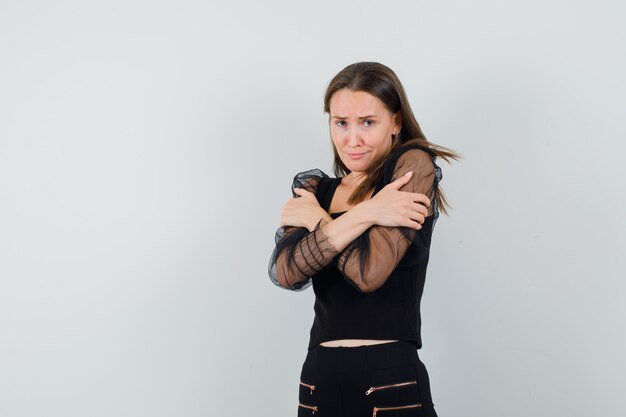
[397, 122]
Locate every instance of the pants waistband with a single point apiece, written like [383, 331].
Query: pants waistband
[364, 357]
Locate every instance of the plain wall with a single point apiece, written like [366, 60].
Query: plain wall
[147, 148]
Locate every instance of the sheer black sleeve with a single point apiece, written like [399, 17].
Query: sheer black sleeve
[368, 261]
[300, 254]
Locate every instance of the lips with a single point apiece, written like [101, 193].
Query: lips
[355, 156]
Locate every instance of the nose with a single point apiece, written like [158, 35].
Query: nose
[353, 137]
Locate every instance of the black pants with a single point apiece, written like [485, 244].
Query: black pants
[382, 380]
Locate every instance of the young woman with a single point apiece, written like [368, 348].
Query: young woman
[362, 241]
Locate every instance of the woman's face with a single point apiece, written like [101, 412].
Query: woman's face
[360, 127]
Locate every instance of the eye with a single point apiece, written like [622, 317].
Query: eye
[340, 121]
[369, 120]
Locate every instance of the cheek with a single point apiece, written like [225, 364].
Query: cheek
[378, 138]
[381, 143]
[335, 132]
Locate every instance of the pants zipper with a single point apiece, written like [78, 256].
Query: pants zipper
[311, 407]
[312, 387]
[377, 409]
[372, 389]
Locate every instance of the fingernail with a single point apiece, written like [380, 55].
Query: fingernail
[409, 173]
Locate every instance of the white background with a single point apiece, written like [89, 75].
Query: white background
[147, 148]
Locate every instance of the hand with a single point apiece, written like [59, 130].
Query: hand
[392, 207]
[301, 211]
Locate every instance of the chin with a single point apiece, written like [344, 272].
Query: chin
[357, 167]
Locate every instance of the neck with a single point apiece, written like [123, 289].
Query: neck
[353, 179]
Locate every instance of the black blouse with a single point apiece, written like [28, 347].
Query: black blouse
[372, 289]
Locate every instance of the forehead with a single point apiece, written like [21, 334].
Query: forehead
[348, 103]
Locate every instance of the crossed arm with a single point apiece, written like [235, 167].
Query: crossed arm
[365, 253]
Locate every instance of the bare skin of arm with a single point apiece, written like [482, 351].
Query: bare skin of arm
[347, 227]
[387, 208]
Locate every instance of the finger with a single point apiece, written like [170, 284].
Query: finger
[419, 217]
[412, 218]
[415, 216]
[414, 225]
[401, 180]
[421, 198]
[420, 210]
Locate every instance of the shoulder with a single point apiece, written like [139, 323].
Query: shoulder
[413, 157]
[309, 180]
[407, 157]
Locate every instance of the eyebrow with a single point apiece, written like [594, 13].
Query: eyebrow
[364, 117]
